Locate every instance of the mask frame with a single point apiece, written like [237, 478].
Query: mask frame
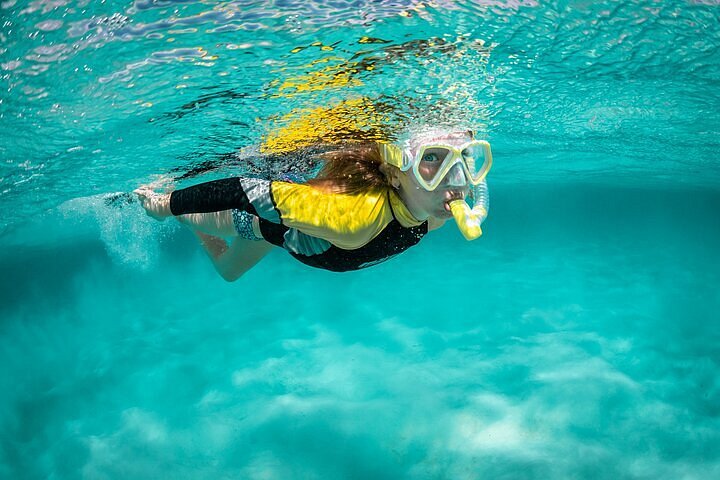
[405, 160]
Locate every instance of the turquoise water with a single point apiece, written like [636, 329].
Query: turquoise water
[578, 338]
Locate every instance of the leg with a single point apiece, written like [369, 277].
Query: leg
[157, 205]
[218, 224]
[231, 261]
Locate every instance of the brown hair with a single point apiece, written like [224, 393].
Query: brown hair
[352, 168]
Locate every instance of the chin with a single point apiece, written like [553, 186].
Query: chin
[443, 214]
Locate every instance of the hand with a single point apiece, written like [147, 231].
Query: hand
[156, 205]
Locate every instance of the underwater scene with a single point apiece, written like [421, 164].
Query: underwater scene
[578, 337]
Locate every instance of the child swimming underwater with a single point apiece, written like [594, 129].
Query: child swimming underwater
[369, 202]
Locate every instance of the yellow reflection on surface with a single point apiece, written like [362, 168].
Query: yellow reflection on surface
[349, 120]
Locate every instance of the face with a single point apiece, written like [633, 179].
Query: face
[422, 203]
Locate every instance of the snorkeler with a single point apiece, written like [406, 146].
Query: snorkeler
[369, 202]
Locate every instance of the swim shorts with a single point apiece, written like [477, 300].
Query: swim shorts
[243, 222]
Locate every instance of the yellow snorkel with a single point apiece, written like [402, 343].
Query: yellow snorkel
[468, 219]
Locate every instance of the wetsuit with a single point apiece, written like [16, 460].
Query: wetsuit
[337, 232]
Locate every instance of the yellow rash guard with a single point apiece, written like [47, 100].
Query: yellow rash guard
[348, 221]
[333, 231]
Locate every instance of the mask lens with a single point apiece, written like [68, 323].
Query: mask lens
[431, 159]
[474, 156]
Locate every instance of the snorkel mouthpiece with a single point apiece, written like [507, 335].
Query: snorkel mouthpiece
[468, 220]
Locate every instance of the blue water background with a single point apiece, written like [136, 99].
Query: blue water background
[578, 338]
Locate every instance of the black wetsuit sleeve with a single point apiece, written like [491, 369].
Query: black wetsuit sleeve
[214, 196]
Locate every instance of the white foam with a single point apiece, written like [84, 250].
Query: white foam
[131, 238]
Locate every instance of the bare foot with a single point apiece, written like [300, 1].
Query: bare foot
[156, 205]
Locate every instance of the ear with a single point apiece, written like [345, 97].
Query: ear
[392, 174]
[395, 180]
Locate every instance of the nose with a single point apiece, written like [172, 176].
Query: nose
[456, 177]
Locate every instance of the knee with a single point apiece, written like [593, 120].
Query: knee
[229, 276]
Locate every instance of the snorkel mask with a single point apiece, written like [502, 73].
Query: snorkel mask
[461, 162]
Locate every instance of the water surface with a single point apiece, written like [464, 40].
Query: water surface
[576, 339]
